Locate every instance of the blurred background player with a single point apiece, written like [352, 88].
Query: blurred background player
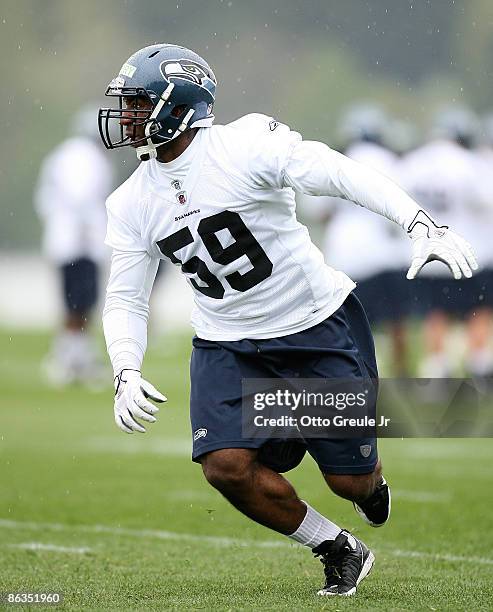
[447, 177]
[352, 234]
[480, 358]
[74, 181]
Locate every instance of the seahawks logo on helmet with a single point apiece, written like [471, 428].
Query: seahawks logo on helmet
[186, 69]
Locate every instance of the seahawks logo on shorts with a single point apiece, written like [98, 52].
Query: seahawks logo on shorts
[200, 433]
[365, 450]
[185, 69]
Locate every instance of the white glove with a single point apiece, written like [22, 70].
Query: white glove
[131, 393]
[431, 242]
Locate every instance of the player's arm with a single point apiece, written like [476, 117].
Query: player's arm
[315, 169]
[125, 318]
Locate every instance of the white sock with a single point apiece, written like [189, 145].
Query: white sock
[315, 529]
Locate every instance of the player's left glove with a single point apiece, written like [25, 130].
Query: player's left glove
[132, 394]
[432, 242]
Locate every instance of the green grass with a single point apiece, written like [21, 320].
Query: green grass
[155, 536]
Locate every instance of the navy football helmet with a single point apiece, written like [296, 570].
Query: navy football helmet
[457, 123]
[180, 87]
[363, 122]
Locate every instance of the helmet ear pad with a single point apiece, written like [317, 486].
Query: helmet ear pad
[185, 99]
[178, 110]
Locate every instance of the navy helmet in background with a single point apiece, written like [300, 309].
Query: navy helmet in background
[457, 123]
[363, 122]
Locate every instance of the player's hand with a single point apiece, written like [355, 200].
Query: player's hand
[431, 242]
[132, 394]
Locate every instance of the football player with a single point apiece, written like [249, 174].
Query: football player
[74, 182]
[218, 201]
[480, 324]
[446, 176]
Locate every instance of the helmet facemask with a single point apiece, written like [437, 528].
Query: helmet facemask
[111, 129]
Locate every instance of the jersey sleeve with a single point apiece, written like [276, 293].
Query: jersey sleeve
[132, 275]
[315, 169]
[123, 229]
[126, 308]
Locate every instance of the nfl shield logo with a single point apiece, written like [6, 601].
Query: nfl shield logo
[181, 196]
[365, 450]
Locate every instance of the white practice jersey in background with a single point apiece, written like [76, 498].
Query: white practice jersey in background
[447, 181]
[484, 220]
[358, 242]
[74, 182]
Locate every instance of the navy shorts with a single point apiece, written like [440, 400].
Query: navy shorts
[339, 347]
[483, 288]
[80, 285]
[385, 296]
[457, 298]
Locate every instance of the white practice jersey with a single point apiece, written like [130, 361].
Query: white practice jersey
[446, 180]
[224, 211]
[74, 182]
[352, 235]
[484, 219]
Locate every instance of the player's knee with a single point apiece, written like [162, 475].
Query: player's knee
[355, 487]
[228, 469]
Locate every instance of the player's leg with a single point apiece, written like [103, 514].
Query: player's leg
[231, 463]
[75, 353]
[60, 365]
[442, 299]
[351, 466]
[355, 487]
[398, 334]
[352, 470]
[400, 308]
[479, 333]
[269, 499]
[342, 347]
[479, 325]
[257, 491]
[436, 362]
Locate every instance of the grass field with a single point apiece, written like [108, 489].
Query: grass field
[127, 522]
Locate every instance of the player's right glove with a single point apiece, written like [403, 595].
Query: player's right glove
[132, 393]
[432, 242]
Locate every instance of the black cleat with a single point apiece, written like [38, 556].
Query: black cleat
[346, 562]
[376, 509]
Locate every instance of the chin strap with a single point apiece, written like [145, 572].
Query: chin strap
[149, 149]
[184, 124]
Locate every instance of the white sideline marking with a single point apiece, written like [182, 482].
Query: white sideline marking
[50, 547]
[426, 497]
[425, 555]
[131, 445]
[144, 533]
[217, 540]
